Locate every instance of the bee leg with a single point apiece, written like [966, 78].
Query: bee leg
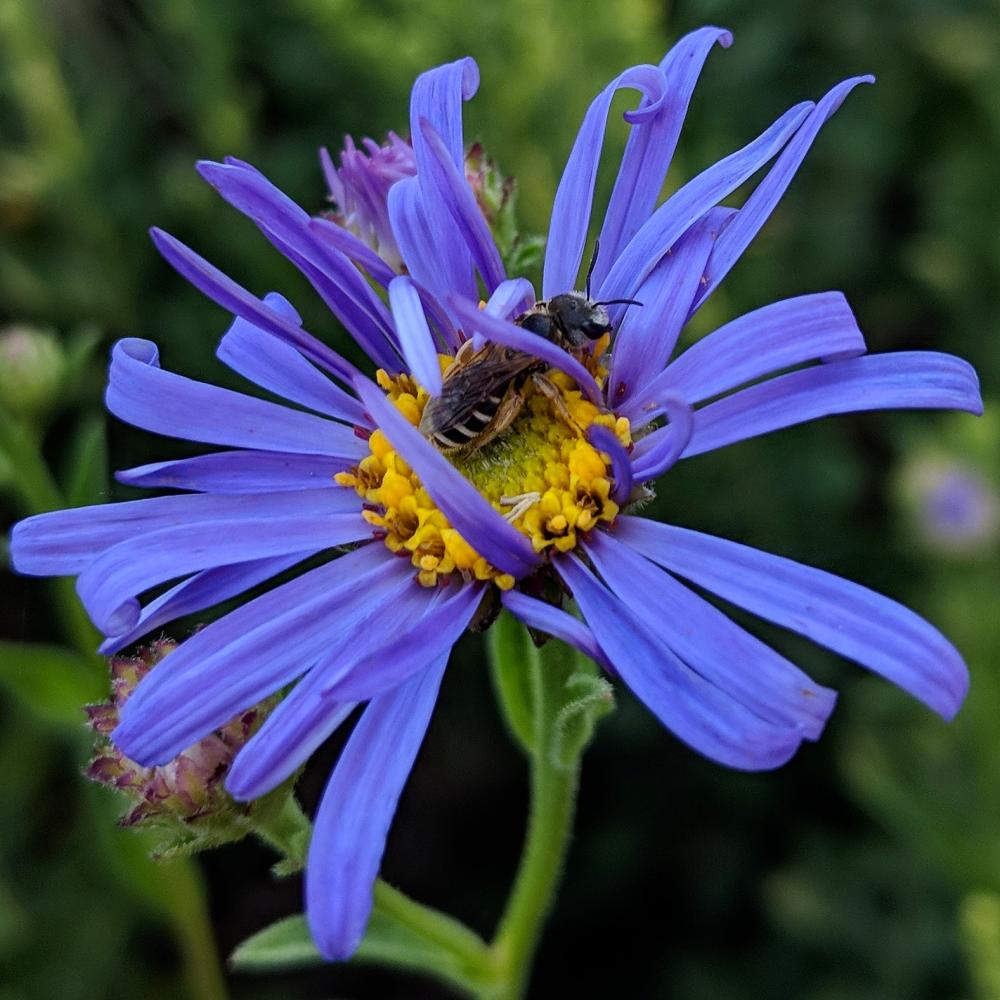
[555, 397]
[506, 413]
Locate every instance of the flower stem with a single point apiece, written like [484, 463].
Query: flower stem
[553, 801]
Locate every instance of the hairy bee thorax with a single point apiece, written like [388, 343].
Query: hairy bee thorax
[541, 473]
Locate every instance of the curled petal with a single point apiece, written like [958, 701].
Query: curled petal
[511, 298]
[571, 208]
[143, 394]
[656, 453]
[651, 146]
[198, 592]
[109, 586]
[605, 439]
[680, 211]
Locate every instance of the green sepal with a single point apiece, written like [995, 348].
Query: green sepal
[574, 723]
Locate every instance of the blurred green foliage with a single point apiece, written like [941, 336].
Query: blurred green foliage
[869, 868]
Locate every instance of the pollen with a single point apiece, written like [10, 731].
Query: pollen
[542, 474]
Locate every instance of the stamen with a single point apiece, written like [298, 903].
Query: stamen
[523, 502]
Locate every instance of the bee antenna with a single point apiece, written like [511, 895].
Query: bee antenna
[618, 302]
[593, 264]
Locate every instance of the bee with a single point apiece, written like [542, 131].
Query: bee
[483, 390]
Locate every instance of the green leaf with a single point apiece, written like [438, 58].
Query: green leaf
[288, 944]
[515, 661]
[52, 681]
[86, 477]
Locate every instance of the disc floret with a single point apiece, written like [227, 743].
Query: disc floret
[542, 474]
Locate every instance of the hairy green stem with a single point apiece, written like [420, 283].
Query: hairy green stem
[553, 801]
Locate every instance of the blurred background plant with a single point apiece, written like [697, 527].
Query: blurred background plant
[868, 868]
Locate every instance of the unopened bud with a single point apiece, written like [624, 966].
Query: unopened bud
[32, 368]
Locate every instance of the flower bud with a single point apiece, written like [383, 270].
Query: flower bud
[185, 798]
[32, 367]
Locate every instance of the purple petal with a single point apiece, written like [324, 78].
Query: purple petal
[904, 380]
[332, 274]
[351, 247]
[143, 394]
[679, 212]
[467, 510]
[252, 652]
[415, 338]
[648, 334]
[778, 336]
[210, 281]
[64, 542]
[712, 645]
[758, 207]
[849, 619]
[546, 618]
[500, 331]
[605, 439]
[306, 717]
[209, 587]
[511, 298]
[239, 472]
[697, 712]
[452, 191]
[437, 96]
[434, 258]
[408, 650]
[357, 808]
[276, 366]
[110, 585]
[657, 452]
[651, 146]
[575, 195]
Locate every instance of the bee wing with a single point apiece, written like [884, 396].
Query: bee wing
[467, 386]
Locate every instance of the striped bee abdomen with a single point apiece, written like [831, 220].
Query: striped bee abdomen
[461, 433]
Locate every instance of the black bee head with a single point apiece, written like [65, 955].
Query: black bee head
[577, 318]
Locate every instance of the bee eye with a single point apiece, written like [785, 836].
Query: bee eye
[595, 330]
[538, 323]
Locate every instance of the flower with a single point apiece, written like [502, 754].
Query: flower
[432, 536]
[186, 796]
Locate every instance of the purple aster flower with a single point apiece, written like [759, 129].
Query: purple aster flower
[436, 535]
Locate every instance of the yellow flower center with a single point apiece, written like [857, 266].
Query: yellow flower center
[541, 474]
